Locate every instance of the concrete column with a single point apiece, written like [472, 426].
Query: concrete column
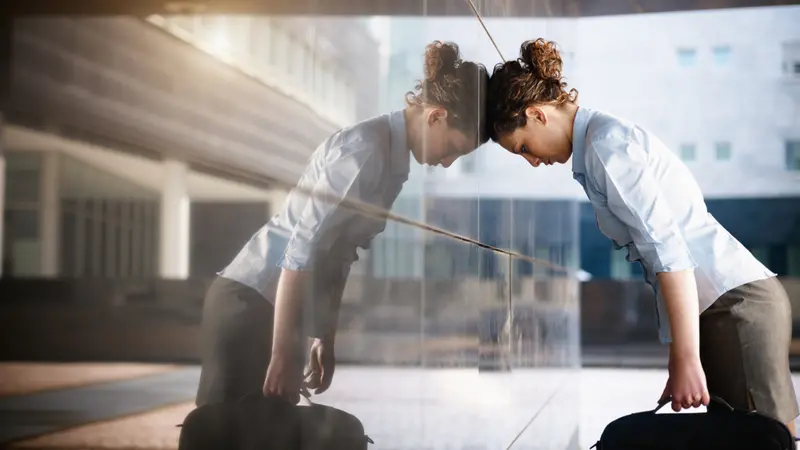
[175, 226]
[5, 91]
[50, 215]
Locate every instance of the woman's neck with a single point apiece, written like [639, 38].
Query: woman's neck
[570, 111]
[412, 115]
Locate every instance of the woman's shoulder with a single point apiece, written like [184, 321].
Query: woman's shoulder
[357, 148]
[612, 138]
[373, 129]
[608, 127]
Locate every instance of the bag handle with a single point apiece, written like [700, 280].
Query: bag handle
[304, 395]
[713, 398]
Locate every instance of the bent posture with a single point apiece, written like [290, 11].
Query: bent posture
[287, 281]
[725, 315]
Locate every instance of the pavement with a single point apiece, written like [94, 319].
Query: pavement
[401, 408]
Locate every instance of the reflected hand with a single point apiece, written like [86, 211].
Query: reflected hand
[321, 365]
[284, 378]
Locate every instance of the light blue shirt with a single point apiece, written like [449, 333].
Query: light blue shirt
[367, 162]
[646, 200]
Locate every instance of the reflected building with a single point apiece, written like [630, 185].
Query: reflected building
[139, 148]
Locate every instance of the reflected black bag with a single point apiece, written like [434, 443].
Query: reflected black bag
[257, 422]
[728, 429]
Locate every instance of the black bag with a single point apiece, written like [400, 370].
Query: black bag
[257, 422]
[728, 429]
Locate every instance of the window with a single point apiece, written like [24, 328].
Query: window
[687, 57]
[761, 254]
[793, 261]
[791, 57]
[722, 151]
[722, 55]
[620, 267]
[259, 44]
[308, 68]
[185, 22]
[329, 88]
[688, 152]
[239, 30]
[296, 61]
[278, 51]
[793, 155]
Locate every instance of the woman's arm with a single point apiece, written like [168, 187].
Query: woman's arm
[345, 173]
[288, 309]
[285, 372]
[622, 170]
[679, 291]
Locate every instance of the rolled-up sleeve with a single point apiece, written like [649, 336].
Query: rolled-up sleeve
[620, 168]
[344, 174]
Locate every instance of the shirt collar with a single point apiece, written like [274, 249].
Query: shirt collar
[579, 129]
[400, 154]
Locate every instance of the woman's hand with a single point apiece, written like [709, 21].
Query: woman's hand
[687, 380]
[321, 365]
[285, 372]
[686, 384]
[284, 377]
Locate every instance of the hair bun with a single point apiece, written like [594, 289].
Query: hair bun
[440, 59]
[542, 59]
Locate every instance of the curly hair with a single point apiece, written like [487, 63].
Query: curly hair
[533, 79]
[456, 85]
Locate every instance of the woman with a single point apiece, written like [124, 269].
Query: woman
[726, 317]
[287, 281]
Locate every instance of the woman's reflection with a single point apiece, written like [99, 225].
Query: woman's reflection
[299, 261]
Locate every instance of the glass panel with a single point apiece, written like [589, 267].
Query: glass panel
[23, 178]
[471, 362]
[459, 319]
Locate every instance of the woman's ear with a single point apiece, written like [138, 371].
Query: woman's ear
[436, 115]
[536, 114]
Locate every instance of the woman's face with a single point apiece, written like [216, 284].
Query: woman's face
[442, 144]
[541, 140]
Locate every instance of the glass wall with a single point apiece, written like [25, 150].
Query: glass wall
[458, 323]
[453, 285]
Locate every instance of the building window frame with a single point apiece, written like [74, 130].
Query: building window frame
[722, 55]
[723, 151]
[688, 152]
[686, 56]
[792, 148]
